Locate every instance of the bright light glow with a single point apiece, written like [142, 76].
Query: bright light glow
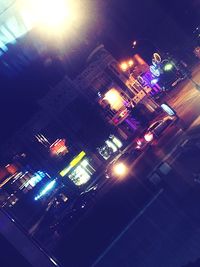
[148, 137]
[120, 169]
[155, 71]
[73, 163]
[34, 180]
[168, 67]
[49, 14]
[79, 175]
[139, 142]
[168, 110]
[154, 81]
[111, 145]
[156, 58]
[58, 148]
[134, 43]
[116, 141]
[114, 99]
[124, 66]
[130, 63]
[77, 159]
[46, 189]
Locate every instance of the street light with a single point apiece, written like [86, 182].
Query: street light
[126, 65]
[135, 43]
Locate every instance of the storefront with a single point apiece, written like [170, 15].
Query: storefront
[79, 170]
[110, 147]
[16, 186]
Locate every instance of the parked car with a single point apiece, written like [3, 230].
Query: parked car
[154, 131]
[75, 210]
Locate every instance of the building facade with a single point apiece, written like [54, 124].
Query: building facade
[64, 133]
[116, 92]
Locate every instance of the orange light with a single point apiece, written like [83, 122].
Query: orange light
[130, 63]
[114, 99]
[124, 66]
[120, 169]
[11, 168]
[58, 148]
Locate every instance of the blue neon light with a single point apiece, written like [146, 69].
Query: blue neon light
[46, 189]
[36, 178]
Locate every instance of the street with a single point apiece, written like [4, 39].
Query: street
[100, 133]
[168, 232]
[170, 212]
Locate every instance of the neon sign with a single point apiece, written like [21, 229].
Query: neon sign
[73, 163]
[46, 189]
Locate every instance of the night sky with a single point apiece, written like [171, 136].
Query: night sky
[168, 24]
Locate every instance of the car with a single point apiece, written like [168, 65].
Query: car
[157, 128]
[84, 201]
[118, 166]
[154, 131]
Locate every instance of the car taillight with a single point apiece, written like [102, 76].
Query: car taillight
[139, 142]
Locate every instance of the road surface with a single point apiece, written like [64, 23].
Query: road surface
[167, 217]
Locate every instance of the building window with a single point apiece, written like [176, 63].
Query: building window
[110, 147]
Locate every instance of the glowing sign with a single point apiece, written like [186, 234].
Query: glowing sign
[169, 66]
[46, 189]
[155, 71]
[116, 141]
[77, 159]
[154, 81]
[11, 168]
[73, 163]
[156, 58]
[38, 176]
[58, 148]
[123, 113]
[168, 110]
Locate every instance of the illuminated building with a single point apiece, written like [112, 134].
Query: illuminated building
[58, 148]
[65, 124]
[17, 184]
[110, 147]
[79, 170]
[101, 73]
[105, 83]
